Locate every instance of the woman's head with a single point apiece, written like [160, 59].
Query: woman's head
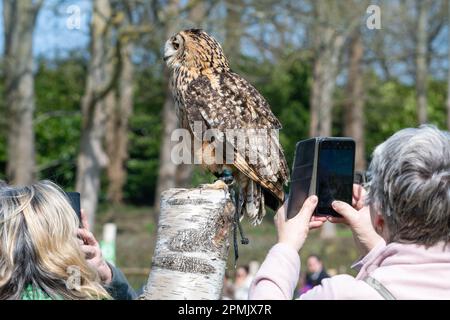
[410, 185]
[39, 247]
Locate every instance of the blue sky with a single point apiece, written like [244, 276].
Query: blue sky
[52, 36]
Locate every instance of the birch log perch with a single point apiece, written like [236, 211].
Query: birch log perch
[192, 245]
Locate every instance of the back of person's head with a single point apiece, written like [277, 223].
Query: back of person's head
[314, 256]
[314, 263]
[242, 273]
[246, 268]
[410, 185]
[39, 247]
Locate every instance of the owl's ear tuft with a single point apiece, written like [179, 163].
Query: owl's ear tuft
[195, 31]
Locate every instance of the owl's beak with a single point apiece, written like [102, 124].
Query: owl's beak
[169, 51]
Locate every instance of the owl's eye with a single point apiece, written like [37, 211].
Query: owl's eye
[175, 45]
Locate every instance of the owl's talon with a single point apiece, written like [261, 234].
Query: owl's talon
[217, 185]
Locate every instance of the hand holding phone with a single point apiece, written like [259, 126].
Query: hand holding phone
[323, 166]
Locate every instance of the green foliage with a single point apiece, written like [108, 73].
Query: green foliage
[59, 87]
[390, 106]
[59, 90]
[145, 136]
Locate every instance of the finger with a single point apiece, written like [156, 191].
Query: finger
[359, 194]
[319, 218]
[337, 220]
[87, 236]
[308, 209]
[84, 220]
[315, 224]
[89, 251]
[280, 216]
[347, 211]
[356, 193]
[282, 212]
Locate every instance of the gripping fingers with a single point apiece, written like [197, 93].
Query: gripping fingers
[87, 236]
[89, 251]
[347, 211]
[315, 224]
[308, 208]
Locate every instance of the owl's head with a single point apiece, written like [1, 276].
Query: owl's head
[194, 49]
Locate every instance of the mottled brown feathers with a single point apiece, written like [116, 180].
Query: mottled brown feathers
[206, 90]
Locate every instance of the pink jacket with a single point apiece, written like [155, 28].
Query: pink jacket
[408, 271]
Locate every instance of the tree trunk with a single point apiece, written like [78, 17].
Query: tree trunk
[421, 61]
[192, 245]
[324, 82]
[117, 128]
[167, 168]
[448, 72]
[19, 21]
[92, 158]
[331, 28]
[233, 27]
[197, 13]
[353, 111]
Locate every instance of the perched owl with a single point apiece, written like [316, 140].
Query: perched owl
[206, 91]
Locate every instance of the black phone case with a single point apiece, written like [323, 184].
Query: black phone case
[74, 200]
[302, 173]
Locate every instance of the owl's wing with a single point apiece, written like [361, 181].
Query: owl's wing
[234, 104]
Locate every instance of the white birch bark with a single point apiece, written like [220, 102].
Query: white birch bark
[192, 245]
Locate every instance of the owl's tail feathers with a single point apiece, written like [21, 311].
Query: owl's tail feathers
[252, 202]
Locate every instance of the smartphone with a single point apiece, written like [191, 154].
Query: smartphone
[301, 175]
[74, 200]
[323, 166]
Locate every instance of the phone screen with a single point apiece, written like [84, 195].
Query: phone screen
[334, 174]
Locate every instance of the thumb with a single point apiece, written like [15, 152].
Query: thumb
[308, 209]
[345, 210]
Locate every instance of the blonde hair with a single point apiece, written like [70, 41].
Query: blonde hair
[39, 245]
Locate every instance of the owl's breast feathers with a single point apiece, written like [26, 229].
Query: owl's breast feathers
[227, 101]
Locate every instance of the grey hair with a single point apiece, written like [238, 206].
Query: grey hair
[409, 183]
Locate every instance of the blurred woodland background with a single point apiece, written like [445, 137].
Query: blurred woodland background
[86, 101]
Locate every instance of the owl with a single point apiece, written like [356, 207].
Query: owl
[207, 92]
